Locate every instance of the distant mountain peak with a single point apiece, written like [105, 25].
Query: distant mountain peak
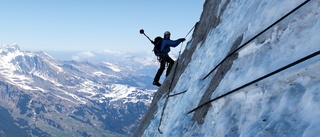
[10, 48]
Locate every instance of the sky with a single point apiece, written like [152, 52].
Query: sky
[93, 25]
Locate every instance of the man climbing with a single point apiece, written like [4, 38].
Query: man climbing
[164, 56]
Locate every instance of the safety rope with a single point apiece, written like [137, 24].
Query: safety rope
[178, 93]
[174, 73]
[259, 79]
[229, 55]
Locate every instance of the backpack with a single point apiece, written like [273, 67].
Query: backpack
[157, 46]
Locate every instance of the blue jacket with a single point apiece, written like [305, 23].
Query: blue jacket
[167, 43]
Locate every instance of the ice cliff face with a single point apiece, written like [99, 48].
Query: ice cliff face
[237, 81]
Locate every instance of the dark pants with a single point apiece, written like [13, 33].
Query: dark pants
[163, 62]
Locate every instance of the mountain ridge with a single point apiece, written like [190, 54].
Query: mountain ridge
[98, 99]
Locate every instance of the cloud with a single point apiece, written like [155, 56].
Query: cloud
[83, 56]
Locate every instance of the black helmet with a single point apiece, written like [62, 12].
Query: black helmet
[167, 33]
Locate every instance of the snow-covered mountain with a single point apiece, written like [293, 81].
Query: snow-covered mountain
[48, 97]
[143, 62]
[252, 68]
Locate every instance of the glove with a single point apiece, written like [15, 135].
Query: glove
[182, 39]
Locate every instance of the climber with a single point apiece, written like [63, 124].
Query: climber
[164, 57]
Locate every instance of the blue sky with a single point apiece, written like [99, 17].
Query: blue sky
[93, 25]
